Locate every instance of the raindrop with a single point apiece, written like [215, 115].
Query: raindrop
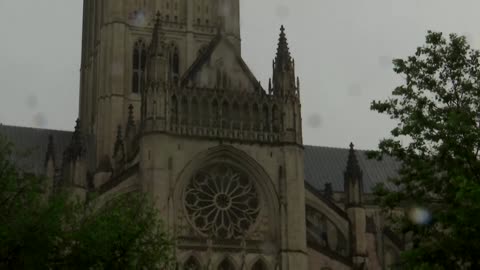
[138, 18]
[40, 120]
[420, 215]
[314, 120]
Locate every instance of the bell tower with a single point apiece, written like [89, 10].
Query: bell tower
[115, 38]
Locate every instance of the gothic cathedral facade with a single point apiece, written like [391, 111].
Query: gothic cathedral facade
[168, 107]
[164, 88]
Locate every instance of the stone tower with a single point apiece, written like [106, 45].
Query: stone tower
[111, 76]
[175, 112]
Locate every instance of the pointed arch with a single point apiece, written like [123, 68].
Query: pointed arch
[265, 118]
[226, 264]
[184, 111]
[192, 264]
[174, 62]
[139, 61]
[236, 115]
[255, 117]
[215, 113]
[259, 265]
[174, 110]
[225, 114]
[195, 112]
[246, 117]
[275, 118]
[205, 112]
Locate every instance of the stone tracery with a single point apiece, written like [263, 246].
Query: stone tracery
[222, 202]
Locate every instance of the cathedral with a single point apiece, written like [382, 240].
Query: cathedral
[169, 107]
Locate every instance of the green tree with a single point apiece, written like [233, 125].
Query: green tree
[59, 233]
[437, 113]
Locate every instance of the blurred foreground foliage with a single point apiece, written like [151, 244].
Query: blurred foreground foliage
[58, 232]
[437, 139]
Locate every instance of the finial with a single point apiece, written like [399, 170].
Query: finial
[353, 168]
[282, 29]
[77, 124]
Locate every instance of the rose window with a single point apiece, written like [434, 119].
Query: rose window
[222, 202]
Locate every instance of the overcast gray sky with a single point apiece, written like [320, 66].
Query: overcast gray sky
[343, 51]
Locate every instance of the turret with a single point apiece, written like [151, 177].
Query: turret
[157, 62]
[74, 164]
[284, 81]
[159, 80]
[353, 185]
[353, 180]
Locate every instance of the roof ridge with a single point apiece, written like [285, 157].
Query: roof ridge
[337, 148]
[34, 128]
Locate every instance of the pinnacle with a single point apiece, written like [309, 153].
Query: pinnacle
[353, 168]
[283, 58]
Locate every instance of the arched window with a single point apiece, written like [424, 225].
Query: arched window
[191, 264]
[254, 117]
[174, 107]
[246, 119]
[195, 112]
[226, 265]
[225, 114]
[266, 119]
[205, 112]
[174, 59]
[139, 63]
[185, 112]
[215, 113]
[275, 119]
[236, 114]
[259, 265]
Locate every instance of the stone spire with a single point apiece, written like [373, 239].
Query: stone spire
[158, 39]
[353, 169]
[283, 60]
[157, 62]
[284, 69]
[76, 149]
[355, 210]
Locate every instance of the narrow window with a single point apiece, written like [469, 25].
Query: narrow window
[174, 59]
[139, 63]
[191, 264]
[226, 265]
[259, 265]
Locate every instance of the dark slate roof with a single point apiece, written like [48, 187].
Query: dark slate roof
[327, 165]
[322, 164]
[30, 145]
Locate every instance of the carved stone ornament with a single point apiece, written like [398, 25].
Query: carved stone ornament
[222, 202]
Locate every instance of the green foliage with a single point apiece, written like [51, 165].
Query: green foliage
[57, 232]
[437, 111]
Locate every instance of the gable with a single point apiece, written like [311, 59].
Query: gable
[220, 67]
